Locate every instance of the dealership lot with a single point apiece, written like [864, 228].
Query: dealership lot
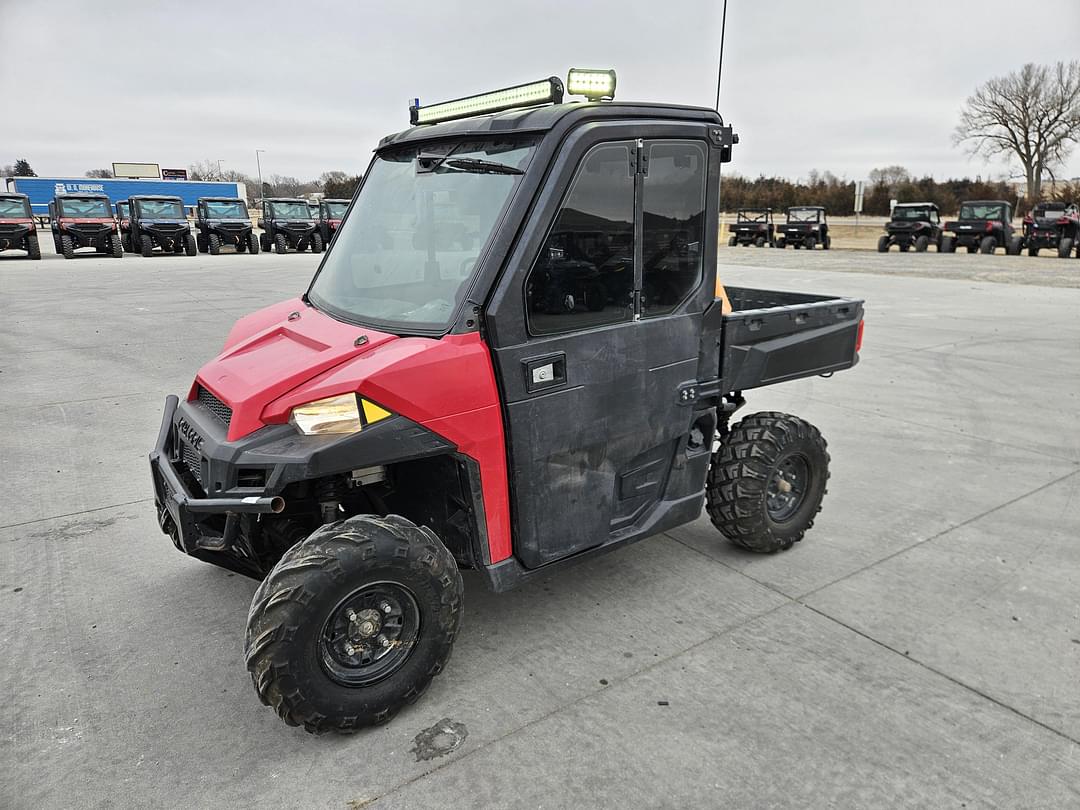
[921, 646]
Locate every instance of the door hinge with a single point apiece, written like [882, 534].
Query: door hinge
[639, 159]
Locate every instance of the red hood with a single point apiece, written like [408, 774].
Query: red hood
[16, 221]
[267, 355]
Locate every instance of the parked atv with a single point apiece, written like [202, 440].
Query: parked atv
[84, 221]
[123, 216]
[331, 212]
[287, 223]
[983, 225]
[1053, 225]
[915, 225]
[160, 222]
[17, 228]
[224, 221]
[753, 226]
[409, 415]
[806, 226]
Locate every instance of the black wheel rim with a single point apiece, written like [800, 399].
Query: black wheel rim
[369, 634]
[787, 488]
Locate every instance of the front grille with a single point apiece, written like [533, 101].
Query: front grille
[192, 460]
[215, 406]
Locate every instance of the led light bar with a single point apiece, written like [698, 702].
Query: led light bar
[593, 84]
[547, 91]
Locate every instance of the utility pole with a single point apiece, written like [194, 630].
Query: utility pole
[720, 67]
[220, 173]
[259, 165]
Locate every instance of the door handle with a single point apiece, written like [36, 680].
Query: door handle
[548, 371]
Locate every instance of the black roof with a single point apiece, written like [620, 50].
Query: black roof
[985, 202]
[752, 208]
[89, 195]
[286, 199]
[220, 199]
[12, 194]
[154, 197]
[334, 200]
[806, 208]
[542, 119]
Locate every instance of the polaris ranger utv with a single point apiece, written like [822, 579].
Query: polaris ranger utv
[123, 216]
[915, 225]
[412, 413]
[753, 226]
[288, 223]
[17, 228]
[224, 221]
[81, 221]
[806, 226]
[160, 222]
[983, 225]
[331, 212]
[1053, 225]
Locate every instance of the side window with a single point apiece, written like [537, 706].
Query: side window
[584, 273]
[674, 224]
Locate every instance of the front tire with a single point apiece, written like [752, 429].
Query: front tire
[116, 247]
[883, 245]
[281, 244]
[810, 243]
[767, 481]
[253, 242]
[147, 245]
[317, 243]
[921, 244]
[1065, 246]
[213, 244]
[759, 242]
[67, 247]
[353, 623]
[987, 245]
[33, 247]
[733, 241]
[948, 245]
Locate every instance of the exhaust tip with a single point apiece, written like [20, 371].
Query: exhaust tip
[277, 504]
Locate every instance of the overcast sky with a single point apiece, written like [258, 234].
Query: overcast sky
[839, 85]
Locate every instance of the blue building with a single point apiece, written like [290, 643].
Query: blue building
[41, 190]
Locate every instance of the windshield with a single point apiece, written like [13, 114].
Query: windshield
[416, 233]
[84, 208]
[14, 207]
[122, 208]
[803, 214]
[290, 210]
[336, 210]
[753, 216]
[980, 211]
[160, 209]
[916, 214]
[233, 209]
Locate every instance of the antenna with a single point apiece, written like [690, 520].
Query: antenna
[720, 68]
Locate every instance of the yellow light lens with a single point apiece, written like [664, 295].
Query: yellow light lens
[525, 95]
[339, 414]
[593, 84]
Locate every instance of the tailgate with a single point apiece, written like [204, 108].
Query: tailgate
[772, 337]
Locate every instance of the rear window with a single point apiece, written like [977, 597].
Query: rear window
[84, 208]
[14, 208]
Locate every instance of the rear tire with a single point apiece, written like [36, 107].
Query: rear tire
[921, 244]
[67, 247]
[733, 241]
[281, 244]
[147, 245]
[202, 243]
[767, 481]
[125, 243]
[883, 245]
[1033, 251]
[759, 242]
[948, 245]
[810, 243]
[213, 244]
[1014, 247]
[264, 241]
[253, 242]
[988, 245]
[320, 666]
[116, 247]
[1065, 246]
[33, 247]
[781, 243]
[826, 243]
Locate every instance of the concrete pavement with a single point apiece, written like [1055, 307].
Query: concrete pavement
[920, 648]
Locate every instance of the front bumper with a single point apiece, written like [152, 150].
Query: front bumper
[12, 235]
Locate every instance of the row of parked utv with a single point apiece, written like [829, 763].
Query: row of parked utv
[983, 226]
[147, 224]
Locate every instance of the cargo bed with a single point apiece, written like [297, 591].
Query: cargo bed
[772, 336]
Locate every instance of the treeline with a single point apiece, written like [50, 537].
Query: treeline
[891, 183]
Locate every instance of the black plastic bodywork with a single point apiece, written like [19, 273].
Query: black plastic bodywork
[15, 233]
[298, 232]
[84, 234]
[904, 232]
[1047, 230]
[232, 232]
[752, 226]
[169, 235]
[616, 446]
[802, 232]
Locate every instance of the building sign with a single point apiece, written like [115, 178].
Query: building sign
[174, 174]
[79, 188]
[136, 170]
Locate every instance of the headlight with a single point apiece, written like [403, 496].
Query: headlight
[346, 413]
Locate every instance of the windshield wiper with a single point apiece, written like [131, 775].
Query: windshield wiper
[431, 163]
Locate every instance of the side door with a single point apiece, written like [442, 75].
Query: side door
[611, 278]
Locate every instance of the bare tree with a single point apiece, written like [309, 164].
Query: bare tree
[1032, 116]
[100, 174]
[892, 177]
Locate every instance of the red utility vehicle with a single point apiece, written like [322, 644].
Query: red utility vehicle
[17, 228]
[82, 221]
[420, 408]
